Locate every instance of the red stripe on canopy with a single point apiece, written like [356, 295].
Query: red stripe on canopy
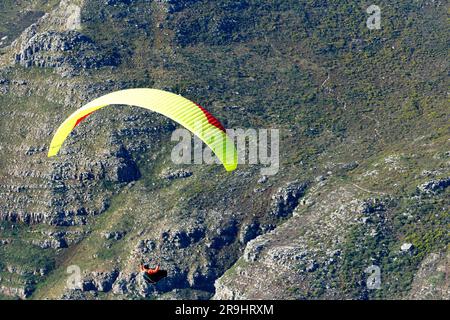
[81, 119]
[211, 119]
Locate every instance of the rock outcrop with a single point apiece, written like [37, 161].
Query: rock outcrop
[68, 52]
[434, 186]
[286, 199]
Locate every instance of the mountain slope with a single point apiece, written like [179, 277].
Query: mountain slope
[363, 118]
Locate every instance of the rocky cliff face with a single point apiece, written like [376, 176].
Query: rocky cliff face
[67, 52]
[364, 169]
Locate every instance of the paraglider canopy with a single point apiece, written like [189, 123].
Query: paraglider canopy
[187, 113]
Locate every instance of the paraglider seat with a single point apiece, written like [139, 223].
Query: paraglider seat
[155, 277]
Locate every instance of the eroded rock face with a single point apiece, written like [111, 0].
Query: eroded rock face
[131, 283]
[67, 52]
[430, 281]
[253, 249]
[145, 246]
[287, 198]
[93, 283]
[292, 263]
[121, 167]
[249, 232]
[182, 238]
[122, 170]
[20, 292]
[224, 236]
[99, 281]
[225, 293]
[434, 186]
[25, 217]
[371, 206]
[175, 174]
[64, 193]
[53, 243]
[105, 280]
[114, 235]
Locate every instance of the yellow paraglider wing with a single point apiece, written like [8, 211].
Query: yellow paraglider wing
[190, 115]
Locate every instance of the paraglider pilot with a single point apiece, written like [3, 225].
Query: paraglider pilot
[146, 268]
[151, 275]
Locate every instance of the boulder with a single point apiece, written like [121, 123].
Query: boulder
[407, 247]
